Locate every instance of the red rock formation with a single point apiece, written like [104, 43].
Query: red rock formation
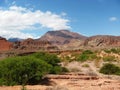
[35, 45]
[103, 41]
[4, 45]
[64, 39]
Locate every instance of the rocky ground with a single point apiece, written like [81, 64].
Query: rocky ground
[73, 81]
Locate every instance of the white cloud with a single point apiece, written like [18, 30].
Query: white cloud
[112, 19]
[16, 19]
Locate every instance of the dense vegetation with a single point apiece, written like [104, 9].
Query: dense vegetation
[28, 69]
[110, 69]
[86, 55]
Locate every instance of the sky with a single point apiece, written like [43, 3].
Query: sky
[33, 18]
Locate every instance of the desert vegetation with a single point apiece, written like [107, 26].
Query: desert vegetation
[29, 69]
[110, 69]
[32, 69]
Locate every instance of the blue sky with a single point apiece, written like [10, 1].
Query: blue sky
[32, 18]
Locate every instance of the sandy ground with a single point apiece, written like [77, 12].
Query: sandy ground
[74, 83]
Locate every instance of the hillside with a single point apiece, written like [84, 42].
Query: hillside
[102, 41]
[61, 40]
[64, 39]
[33, 45]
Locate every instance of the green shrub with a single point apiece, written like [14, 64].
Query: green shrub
[22, 70]
[29, 69]
[113, 50]
[83, 57]
[86, 55]
[85, 65]
[87, 52]
[49, 58]
[109, 58]
[110, 69]
[107, 51]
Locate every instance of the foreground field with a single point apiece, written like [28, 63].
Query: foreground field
[73, 82]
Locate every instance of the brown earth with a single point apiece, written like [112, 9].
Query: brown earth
[73, 81]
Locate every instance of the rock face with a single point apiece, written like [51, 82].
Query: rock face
[102, 41]
[61, 40]
[4, 45]
[64, 38]
[33, 45]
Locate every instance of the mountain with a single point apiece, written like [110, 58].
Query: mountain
[14, 39]
[5, 45]
[33, 45]
[64, 38]
[102, 41]
[60, 40]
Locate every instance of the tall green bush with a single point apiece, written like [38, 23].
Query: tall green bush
[29, 69]
[22, 70]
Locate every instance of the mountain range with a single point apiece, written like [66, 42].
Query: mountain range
[60, 40]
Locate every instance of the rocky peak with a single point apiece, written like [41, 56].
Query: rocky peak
[62, 37]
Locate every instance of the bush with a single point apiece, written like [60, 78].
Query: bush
[110, 69]
[22, 70]
[109, 58]
[28, 69]
[87, 52]
[51, 59]
[86, 55]
[85, 65]
[113, 50]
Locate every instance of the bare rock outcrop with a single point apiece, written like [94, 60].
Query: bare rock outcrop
[35, 45]
[102, 41]
[5, 45]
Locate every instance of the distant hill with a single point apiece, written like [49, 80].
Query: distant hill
[33, 45]
[64, 38]
[60, 40]
[14, 39]
[102, 41]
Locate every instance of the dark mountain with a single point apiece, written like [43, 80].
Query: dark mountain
[14, 39]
